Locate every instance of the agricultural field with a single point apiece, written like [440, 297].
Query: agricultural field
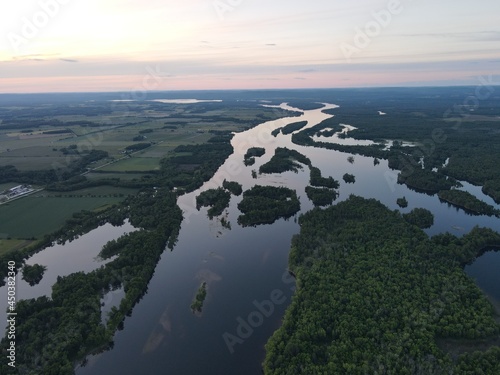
[28, 218]
[8, 245]
[38, 138]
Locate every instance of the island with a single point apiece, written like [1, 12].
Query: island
[266, 204]
[468, 202]
[252, 153]
[349, 178]
[197, 304]
[217, 199]
[33, 274]
[402, 202]
[284, 160]
[321, 196]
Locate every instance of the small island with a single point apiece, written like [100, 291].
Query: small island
[33, 274]
[197, 304]
[217, 199]
[252, 153]
[349, 178]
[266, 204]
[402, 202]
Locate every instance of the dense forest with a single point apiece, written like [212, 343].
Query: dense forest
[420, 217]
[374, 293]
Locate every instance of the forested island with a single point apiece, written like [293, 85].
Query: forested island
[233, 187]
[217, 199]
[349, 178]
[266, 204]
[197, 304]
[284, 160]
[468, 202]
[402, 202]
[321, 196]
[33, 274]
[290, 128]
[252, 153]
[374, 292]
[317, 180]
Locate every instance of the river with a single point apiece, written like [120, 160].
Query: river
[248, 286]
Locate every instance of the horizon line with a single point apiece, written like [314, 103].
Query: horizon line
[248, 90]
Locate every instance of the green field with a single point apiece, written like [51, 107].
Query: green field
[133, 164]
[8, 245]
[121, 176]
[44, 213]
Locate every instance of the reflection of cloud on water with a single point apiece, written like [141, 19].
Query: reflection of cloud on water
[161, 330]
[214, 255]
[208, 276]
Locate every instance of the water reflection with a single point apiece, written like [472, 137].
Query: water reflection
[62, 260]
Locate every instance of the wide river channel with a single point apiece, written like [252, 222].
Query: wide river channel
[244, 267]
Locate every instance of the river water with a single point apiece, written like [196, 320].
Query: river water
[248, 286]
[63, 260]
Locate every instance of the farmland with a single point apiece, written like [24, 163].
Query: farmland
[28, 218]
[100, 140]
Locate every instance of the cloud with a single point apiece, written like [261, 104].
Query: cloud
[69, 60]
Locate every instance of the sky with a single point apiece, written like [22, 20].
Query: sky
[136, 46]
